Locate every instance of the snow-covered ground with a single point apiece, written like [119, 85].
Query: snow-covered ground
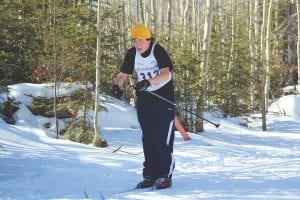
[229, 162]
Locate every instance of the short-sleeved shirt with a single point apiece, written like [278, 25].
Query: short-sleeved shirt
[163, 60]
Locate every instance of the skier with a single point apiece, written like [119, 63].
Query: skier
[153, 67]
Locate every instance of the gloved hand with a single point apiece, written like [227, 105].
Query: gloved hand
[116, 91]
[142, 85]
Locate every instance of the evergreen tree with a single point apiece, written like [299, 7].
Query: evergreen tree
[19, 44]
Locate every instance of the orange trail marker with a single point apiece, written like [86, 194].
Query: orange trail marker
[181, 130]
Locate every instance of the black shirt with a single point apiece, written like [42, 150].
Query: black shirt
[163, 60]
[160, 54]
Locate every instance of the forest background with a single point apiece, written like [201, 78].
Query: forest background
[233, 55]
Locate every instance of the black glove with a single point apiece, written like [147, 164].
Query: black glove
[142, 85]
[116, 91]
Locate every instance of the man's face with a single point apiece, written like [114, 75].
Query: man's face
[141, 45]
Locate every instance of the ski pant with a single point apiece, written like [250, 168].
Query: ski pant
[156, 118]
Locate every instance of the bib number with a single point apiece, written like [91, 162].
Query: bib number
[149, 75]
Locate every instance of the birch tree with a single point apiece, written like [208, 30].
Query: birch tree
[257, 36]
[233, 38]
[253, 34]
[262, 51]
[98, 138]
[204, 64]
[268, 56]
[184, 10]
[155, 17]
[170, 29]
[252, 53]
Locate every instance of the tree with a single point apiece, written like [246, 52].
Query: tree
[292, 42]
[204, 64]
[262, 51]
[298, 40]
[98, 138]
[170, 20]
[55, 67]
[256, 58]
[268, 56]
[27, 46]
[19, 43]
[252, 53]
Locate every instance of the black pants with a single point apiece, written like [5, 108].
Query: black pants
[156, 118]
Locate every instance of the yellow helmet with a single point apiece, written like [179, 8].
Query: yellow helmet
[140, 31]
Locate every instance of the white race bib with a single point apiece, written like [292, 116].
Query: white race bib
[147, 68]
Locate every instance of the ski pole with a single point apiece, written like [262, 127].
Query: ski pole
[215, 124]
[163, 98]
[157, 95]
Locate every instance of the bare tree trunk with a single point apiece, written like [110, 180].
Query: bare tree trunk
[198, 30]
[146, 12]
[256, 43]
[137, 11]
[55, 67]
[298, 40]
[98, 138]
[262, 44]
[233, 38]
[292, 52]
[276, 38]
[127, 23]
[170, 20]
[252, 55]
[161, 15]
[85, 96]
[123, 24]
[184, 17]
[154, 17]
[222, 24]
[143, 14]
[204, 64]
[268, 56]
[207, 33]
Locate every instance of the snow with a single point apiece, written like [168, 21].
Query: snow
[229, 162]
[291, 110]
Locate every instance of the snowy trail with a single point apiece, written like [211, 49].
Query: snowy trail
[229, 162]
[213, 165]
